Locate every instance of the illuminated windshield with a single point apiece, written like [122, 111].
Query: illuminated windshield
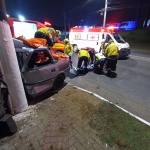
[118, 38]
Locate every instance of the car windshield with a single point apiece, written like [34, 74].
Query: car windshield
[118, 38]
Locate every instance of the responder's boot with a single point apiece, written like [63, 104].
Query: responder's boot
[100, 71]
[113, 75]
[85, 71]
[108, 73]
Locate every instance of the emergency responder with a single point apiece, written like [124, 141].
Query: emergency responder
[100, 60]
[46, 33]
[91, 52]
[57, 37]
[68, 49]
[111, 54]
[83, 56]
[103, 46]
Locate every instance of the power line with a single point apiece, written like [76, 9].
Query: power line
[121, 7]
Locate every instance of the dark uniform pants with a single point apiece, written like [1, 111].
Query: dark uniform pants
[81, 60]
[98, 65]
[91, 57]
[112, 63]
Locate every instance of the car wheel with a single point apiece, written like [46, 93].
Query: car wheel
[58, 83]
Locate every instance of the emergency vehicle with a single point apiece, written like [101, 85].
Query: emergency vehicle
[28, 28]
[25, 28]
[92, 37]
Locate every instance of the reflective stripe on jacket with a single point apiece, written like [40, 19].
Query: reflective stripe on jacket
[103, 47]
[111, 50]
[82, 53]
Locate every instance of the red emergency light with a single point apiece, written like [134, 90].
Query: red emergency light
[112, 28]
[102, 30]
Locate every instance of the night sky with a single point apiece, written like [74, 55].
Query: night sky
[77, 12]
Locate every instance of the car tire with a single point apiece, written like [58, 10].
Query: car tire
[58, 83]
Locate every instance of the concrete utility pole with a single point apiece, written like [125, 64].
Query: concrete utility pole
[10, 65]
[105, 12]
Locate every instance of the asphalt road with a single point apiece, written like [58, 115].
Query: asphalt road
[131, 88]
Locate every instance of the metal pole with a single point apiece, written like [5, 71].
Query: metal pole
[105, 11]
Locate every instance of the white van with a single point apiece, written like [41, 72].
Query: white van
[92, 37]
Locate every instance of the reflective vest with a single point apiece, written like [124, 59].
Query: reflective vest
[68, 49]
[47, 31]
[82, 53]
[99, 56]
[103, 47]
[111, 50]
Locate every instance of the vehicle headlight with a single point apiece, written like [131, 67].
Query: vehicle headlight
[120, 46]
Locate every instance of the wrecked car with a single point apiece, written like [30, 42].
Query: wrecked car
[39, 70]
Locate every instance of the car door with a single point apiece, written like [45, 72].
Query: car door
[40, 71]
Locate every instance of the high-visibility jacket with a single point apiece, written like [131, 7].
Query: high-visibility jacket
[82, 53]
[47, 31]
[103, 47]
[111, 50]
[68, 49]
[99, 56]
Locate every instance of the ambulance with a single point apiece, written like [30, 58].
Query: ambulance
[92, 37]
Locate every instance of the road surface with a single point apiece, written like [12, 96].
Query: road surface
[131, 88]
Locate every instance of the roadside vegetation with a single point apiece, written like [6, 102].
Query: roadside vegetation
[114, 127]
[138, 39]
[120, 130]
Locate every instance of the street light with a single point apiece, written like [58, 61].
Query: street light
[21, 18]
[105, 11]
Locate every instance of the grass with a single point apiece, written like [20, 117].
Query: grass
[138, 39]
[115, 127]
[119, 129]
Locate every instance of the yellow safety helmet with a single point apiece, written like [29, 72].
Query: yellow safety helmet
[66, 40]
[58, 33]
[103, 41]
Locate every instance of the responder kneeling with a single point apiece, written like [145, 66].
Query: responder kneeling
[100, 60]
[83, 56]
[111, 54]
